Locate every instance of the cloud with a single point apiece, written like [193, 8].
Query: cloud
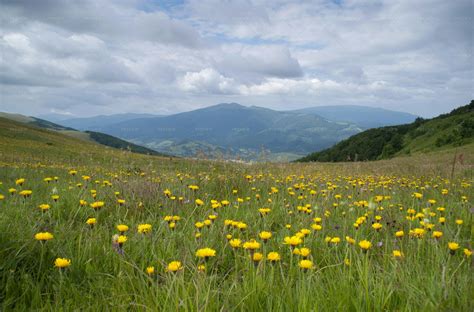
[103, 56]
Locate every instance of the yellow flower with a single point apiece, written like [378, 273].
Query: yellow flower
[201, 268]
[235, 243]
[205, 253]
[122, 228]
[144, 228]
[150, 270]
[264, 235]
[257, 257]
[459, 221]
[43, 236]
[304, 252]
[335, 240]
[316, 227]
[20, 181]
[44, 207]
[55, 197]
[97, 205]
[174, 266]
[26, 193]
[199, 202]
[273, 256]
[467, 252]
[121, 239]
[306, 264]
[377, 226]
[293, 240]
[437, 234]
[121, 202]
[453, 247]
[62, 263]
[350, 240]
[251, 245]
[365, 245]
[91, 221]
[397, 254]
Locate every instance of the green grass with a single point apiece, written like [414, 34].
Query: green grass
[428, 278]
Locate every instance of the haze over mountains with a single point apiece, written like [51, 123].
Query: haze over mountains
[235, 131]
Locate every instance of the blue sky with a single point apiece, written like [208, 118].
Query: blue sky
[83, 58]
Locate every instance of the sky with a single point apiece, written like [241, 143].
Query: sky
[91, 57]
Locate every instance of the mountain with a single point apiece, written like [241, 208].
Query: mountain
[97, 137]
[239, 130]
[363, 116]
[447, 130]
[97, 123]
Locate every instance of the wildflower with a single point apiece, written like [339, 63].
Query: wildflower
[251, 245]
[82, 203]
[304, 252]
[205, 253]
[2, 197]
[174, 266]
[121, 202]
[350, 240]
[347, 262]
[316, 227]
[442, 220]
[121, 240]
[122, 228]
[459, 222]
[97, 205]
[377, 226]
[335, 240]
[265, 236]
[235, 243]
[467, 252]
[11, 191]
[44, 207]
[199, 202]
[453, 247]
[144, 228]
[257, 257]
[199, 225]
[43, 236]
[273, 257]
[150, 270]
[397, 254]
[201, 268]
[293, 241]
[26, 193]
[20, 182]
[91, 221]
[55, 197]
[437, 234]
[62, 263]
[365, 245]
[306, 264]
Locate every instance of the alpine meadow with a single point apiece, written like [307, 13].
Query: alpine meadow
[236, 155]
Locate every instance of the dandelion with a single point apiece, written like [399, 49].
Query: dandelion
[174, 266]
[459, 222]
[25, 193]
[55, 197]
[97, 205]
[144, 228]
[91, 221]
[235, 243]
[265, 236]
[121, 240]
[199, 202]
[365, 245]
[273, 257]
[467, 252]
[437, 234]
[62, 263]
[43, 236]
[306, 264]
[377, 226]
[20, 181]
[44, 207]
[150, 270]
[201, 268]
[256, 257]
[293, 241]
[122, 228]
[251, 245]
[205, 253]
[453, 247]
[397, 254]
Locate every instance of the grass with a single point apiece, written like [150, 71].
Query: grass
[104, 277]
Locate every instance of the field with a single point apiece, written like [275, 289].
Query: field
[373, 236]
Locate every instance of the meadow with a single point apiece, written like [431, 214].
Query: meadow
[93, 229]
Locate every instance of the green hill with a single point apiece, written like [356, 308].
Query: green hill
[444, 131]
[96, 137]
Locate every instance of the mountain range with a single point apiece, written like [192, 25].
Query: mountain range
[423, 135]
[231, 130]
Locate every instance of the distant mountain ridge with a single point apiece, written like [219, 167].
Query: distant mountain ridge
[453, 129]
[363, 116]
[97, 137]
[238, 131]
[236, 128]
